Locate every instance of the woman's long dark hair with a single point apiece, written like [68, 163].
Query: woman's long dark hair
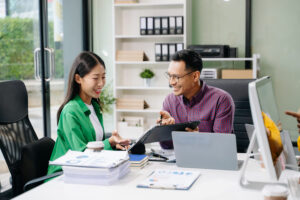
[82, 65]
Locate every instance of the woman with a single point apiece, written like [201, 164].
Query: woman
[79, 117]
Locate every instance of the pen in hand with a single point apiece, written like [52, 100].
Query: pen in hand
[158, 155]
[160, 122]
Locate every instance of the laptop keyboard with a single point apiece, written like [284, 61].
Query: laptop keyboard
[294, 186]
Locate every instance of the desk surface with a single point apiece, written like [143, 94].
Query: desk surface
[212, 184]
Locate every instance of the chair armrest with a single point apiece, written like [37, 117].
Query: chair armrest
[107, 135]
[40, 179]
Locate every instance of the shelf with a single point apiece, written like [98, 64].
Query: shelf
[139, 111]
[227, 59]
[147, 36]
[168, 62]
[142, 88]
[136, 5]
[142, 63]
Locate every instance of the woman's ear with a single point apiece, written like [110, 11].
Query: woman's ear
[77, 78]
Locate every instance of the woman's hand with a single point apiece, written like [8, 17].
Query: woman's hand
[165, 118]
[118, 142]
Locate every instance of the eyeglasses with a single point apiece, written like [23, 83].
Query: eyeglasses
[176, 77]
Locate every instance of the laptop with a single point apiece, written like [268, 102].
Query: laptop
[205, 150]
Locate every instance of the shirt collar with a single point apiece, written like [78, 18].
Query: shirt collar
[197, 97]
[84, 108]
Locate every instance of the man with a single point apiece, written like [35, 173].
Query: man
[297, 116]
[193, 100]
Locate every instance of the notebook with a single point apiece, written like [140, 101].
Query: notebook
[205, 150]
[138, 160]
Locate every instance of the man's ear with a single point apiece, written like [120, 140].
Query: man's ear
[197, 75]
[77, 78]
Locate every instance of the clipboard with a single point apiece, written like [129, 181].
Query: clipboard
[160, 133]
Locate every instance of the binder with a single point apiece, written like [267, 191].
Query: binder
[143, 26]
[158, 52]
[172, 50]
[179, 25]
[165, 52]
[157, 25]
[179, 46]
[150, 26]
[172, 25]
[165, 25]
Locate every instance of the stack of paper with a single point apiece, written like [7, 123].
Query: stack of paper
[138, 160]
[131, 56]
[103, 167]
[130, 103]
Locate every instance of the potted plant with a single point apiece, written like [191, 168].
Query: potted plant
[147, 74]
[107, 99]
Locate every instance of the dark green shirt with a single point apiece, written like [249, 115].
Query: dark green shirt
[75, 130]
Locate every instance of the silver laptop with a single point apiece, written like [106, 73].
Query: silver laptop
[205, 150]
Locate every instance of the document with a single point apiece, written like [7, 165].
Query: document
[170, 179]
[103, 159]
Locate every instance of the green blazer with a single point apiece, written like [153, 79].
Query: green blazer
[75, 130]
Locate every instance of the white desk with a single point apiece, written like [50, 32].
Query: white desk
[212, 184]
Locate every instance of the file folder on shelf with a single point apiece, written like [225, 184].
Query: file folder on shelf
[165, 52]
[150, 26]
[143, 26]
[158, 52]
[179, 25]
[157, 25]
[165, 25]
[172, 25]
[172, 50]
[179, 46]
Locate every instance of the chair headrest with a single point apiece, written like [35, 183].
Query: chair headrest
[13, 101]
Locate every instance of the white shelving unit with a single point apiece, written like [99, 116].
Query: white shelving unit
[126, 30]
[127, 82]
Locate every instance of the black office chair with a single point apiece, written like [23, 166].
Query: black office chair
[238, 89]
[26, 157]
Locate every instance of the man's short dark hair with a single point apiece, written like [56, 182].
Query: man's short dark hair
[192, 59]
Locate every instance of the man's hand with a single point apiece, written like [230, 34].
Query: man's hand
[296, 115]
[117, 141]
[165, 118]
[192, 130]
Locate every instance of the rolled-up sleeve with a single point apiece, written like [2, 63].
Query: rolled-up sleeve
[223, 122]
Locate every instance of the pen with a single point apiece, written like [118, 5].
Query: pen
[160, 123]
[158, 155]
